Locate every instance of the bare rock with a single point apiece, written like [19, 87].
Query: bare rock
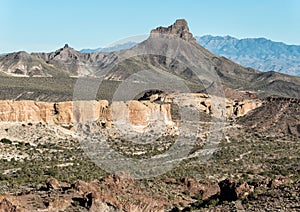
[170, 180]
[192, 185]
[243, 189]
[97, 204]
[210, 191]
[85, 188]
[278, 181]
[179, 29]
[8, 206]
[52, 183]
[59, 205]
[231, 191]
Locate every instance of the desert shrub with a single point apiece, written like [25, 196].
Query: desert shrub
[6, 141]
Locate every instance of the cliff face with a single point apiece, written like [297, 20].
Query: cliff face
[203, 102]
[26, 111]
[136, 114]
[139, 114]
[179, 28]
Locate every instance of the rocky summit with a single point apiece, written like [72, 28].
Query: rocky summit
[164, 125]
[179, 29]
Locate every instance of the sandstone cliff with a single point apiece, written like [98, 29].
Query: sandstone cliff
[203, 102]
[135, 113]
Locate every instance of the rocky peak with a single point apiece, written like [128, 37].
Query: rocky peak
[179, 29]
[64, 53]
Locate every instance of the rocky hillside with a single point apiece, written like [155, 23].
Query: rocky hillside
[257, 53]
[24, 64]
[116, 193]
[276, 116]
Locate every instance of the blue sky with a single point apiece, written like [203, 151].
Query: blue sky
[40, 25]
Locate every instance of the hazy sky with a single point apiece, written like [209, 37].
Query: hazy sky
[40, 25]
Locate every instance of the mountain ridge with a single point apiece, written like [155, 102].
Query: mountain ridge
[154, 53]
[269, 56]
[259, 53]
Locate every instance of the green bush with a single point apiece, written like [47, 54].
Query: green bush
[6, 141]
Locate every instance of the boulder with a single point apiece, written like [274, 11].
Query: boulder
[52, 183]
[7, 205]
[231, 191]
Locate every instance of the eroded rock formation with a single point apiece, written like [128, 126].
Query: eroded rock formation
[179, 29]
[138, 114]
[212, 104]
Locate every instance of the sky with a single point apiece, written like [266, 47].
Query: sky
[44, 26]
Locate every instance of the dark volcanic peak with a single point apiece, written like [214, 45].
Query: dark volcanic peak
[179, 29]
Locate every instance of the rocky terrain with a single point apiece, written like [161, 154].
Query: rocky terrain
[44, 166]
[94, 196]
[238, 146]
[251, 171]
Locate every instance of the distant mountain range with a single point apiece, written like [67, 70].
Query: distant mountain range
[258, 53]
[113, 48]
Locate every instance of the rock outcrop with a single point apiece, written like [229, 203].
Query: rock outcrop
[52, 183]
[134, 113]
[231, 190]
[209, 104]
[122, 193]
[178, 29]
[6, 205]
[24, 64]
[10, 204]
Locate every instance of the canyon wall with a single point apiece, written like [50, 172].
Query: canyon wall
[67, 113]
[210, 104]
[139, 114]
